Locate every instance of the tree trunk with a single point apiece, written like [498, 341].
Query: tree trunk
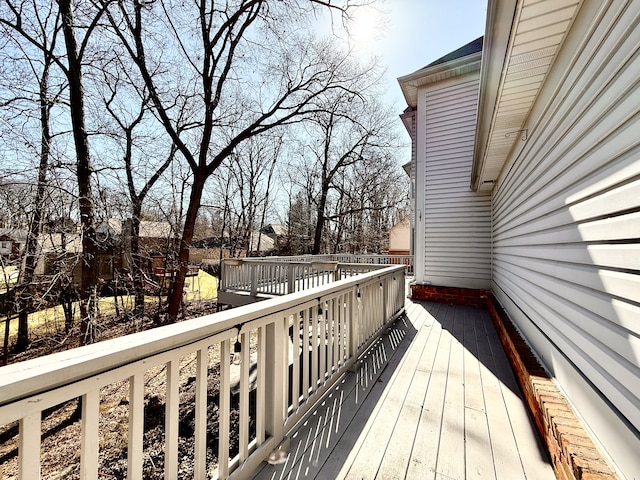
[84, 170]
[27, 290]
[317, 238]
[136, 260]
[177, 287]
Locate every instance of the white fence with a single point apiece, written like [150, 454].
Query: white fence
[293, 349]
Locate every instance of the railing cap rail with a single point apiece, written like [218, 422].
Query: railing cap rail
[24, 379]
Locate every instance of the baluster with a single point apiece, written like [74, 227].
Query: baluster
[200, 453]
[355, 321]
[335, 312]
[323, 341]
[314, 349]
[384, 291]
[171, 420]
[136, 427]
[306, 341]
[244, 397]
[29, 447]
[260, 387]
[275, 378]
[330, 335]
[90, 434]
[295, 379]
[291, 279]
[224, 409]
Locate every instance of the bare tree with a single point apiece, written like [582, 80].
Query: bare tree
[140, 170]
[16, 17]
[230, 103]
[350, 136]
[84, 168]
[44, 26]
[371, 197]
[251, 169]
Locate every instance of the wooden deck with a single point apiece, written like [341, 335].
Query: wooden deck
[433, 399]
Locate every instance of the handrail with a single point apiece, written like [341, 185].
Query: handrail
[375, 259]
[332, 323]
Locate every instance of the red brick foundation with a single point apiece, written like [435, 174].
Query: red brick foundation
[457, 296]
[573, 453]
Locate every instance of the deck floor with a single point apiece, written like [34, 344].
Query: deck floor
[433, 399]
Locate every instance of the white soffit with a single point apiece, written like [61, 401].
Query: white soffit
[538, 30]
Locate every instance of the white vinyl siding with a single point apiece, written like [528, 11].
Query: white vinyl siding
[566, 257]
[457, 221]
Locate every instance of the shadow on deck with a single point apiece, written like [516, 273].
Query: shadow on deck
[435, 398]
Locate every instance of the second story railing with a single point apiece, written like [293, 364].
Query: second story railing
[371, 259]
[284, 275]
[287, 352]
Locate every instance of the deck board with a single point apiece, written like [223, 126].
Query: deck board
[433, 399]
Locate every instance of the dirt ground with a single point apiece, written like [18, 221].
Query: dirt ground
[61, 427]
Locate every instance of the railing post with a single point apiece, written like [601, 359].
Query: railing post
[291, 281]
[275, 395]
[223, 281]
[355, 317]
[254, 284]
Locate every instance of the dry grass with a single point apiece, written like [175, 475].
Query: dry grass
[50, 321]
[8, 276]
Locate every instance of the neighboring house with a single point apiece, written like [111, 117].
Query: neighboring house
[12, 242]
[399, 238]
[61, 251]
[114, 248]
[261, 243]
[154, 240]
[526, 173]
[277, 232]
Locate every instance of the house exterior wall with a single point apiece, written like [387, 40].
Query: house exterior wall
[453, 223]
[6, 245]
[566, 224]
[399, 238]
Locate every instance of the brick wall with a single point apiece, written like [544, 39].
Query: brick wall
[573, 453]
[458, 296]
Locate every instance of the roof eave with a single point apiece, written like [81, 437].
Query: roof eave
[515, 49]
[498, 32]
[407, 119]
[459, 66]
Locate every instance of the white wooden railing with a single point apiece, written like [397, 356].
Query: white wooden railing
[296, 346]
[371, 259]
[265, 277]
[284, 275]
